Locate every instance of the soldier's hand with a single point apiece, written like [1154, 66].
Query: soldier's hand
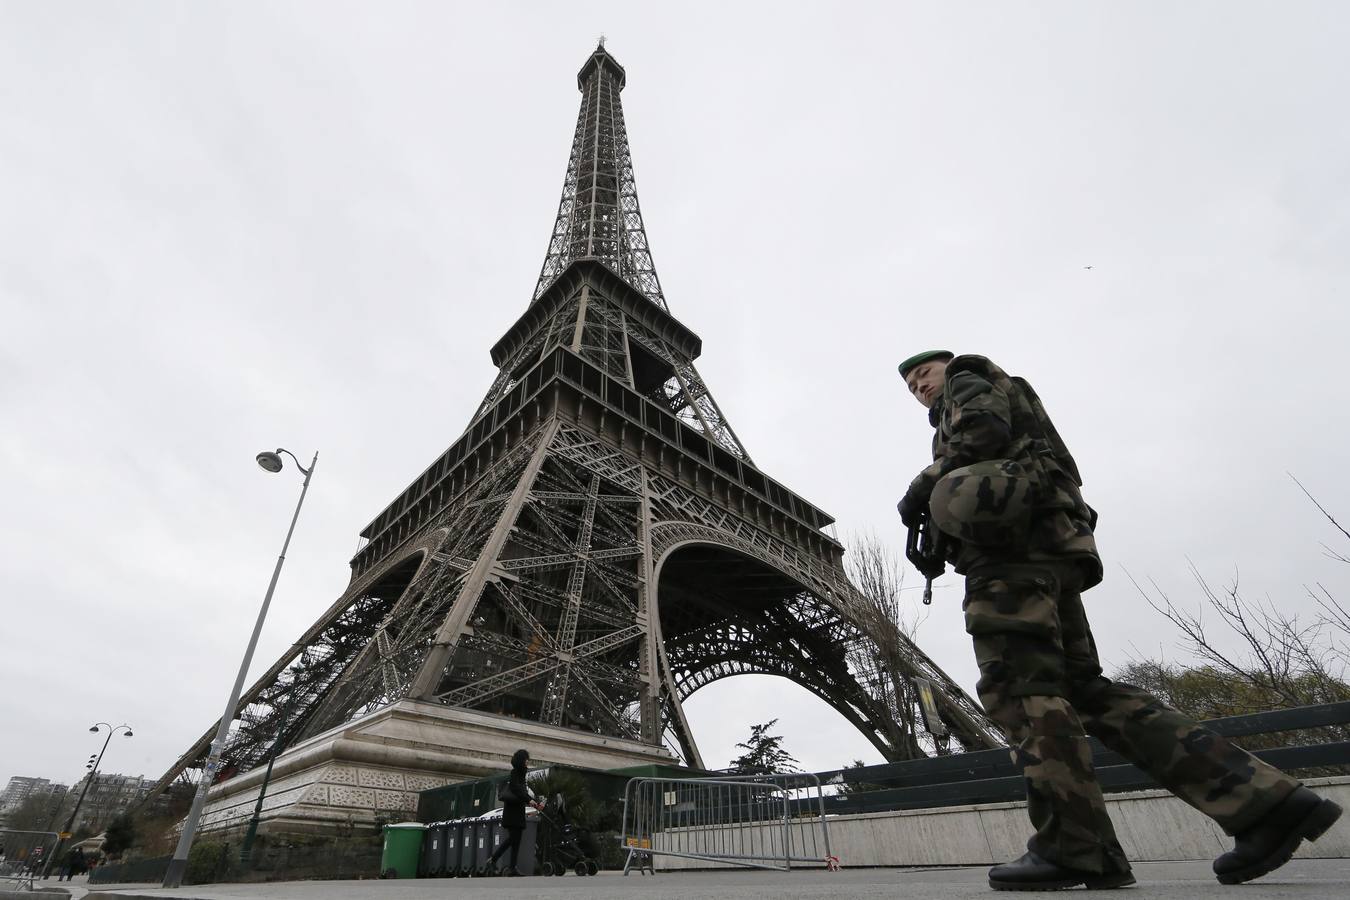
[912, 509]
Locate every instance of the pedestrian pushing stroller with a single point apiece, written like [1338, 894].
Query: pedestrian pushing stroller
[567, 847]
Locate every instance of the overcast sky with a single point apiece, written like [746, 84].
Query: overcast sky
[228, 227]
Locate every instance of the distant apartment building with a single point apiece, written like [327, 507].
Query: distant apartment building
[20, 788]
[108, 796]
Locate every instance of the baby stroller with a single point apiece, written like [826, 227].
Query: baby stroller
[567, 847]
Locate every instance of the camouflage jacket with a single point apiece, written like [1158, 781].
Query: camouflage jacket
[985, 414]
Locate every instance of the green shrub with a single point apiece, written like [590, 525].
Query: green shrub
[208, 861]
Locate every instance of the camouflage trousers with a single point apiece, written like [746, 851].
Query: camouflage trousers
[1041, 681]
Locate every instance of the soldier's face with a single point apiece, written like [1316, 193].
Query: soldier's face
[925, 381]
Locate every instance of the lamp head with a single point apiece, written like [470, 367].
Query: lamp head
[269, 461]
[128, 733]
[93, 728]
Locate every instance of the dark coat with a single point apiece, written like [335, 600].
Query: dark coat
[513, 809]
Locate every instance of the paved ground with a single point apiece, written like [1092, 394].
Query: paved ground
[1312, 878]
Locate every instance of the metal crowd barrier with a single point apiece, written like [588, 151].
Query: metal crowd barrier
[18, 874]
[767, 822]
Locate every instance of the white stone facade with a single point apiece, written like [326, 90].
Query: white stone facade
[374, 767]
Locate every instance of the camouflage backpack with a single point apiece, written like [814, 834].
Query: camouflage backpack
[1048, 432]
[991, 503]
[988, 503]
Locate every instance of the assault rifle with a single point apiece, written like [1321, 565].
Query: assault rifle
[926, 548]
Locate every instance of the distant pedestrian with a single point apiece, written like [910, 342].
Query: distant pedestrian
[74, 865]
[514, 797]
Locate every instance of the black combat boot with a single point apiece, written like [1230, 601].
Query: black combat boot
[1031, 873]
[1270, 843]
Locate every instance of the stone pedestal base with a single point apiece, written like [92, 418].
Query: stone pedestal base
[373, 767]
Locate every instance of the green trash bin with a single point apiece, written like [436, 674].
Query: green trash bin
[402, 850]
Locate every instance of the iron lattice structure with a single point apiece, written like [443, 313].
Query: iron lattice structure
[597, 545]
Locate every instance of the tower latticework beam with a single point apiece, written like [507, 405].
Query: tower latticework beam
[599, 217]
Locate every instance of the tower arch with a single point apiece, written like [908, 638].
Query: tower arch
[726, 607]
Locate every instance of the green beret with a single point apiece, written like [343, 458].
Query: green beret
[925, 356]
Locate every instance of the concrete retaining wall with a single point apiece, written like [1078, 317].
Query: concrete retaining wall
[1151, 825]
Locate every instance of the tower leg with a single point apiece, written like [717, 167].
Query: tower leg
[443, 645]
[678, 720]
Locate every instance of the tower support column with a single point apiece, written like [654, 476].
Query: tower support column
[428, 676]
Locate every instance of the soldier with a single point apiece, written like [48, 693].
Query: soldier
[1004, 485]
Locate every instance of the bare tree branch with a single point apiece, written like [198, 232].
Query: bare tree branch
[882, 661]
[1290, 662]
[1320, 509]
[1258, 657]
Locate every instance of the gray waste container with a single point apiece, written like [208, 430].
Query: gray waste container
[482, 844]
[433, 850]
[495, 835]
[469, 856]
[526, 862]
[485, 840]
[468, 835]
[454, 847]
[447, 861]
[498, 838]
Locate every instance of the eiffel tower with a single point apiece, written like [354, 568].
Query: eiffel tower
[594, 548]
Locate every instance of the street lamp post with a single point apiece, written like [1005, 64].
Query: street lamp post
[93, 773]
[173, 876]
